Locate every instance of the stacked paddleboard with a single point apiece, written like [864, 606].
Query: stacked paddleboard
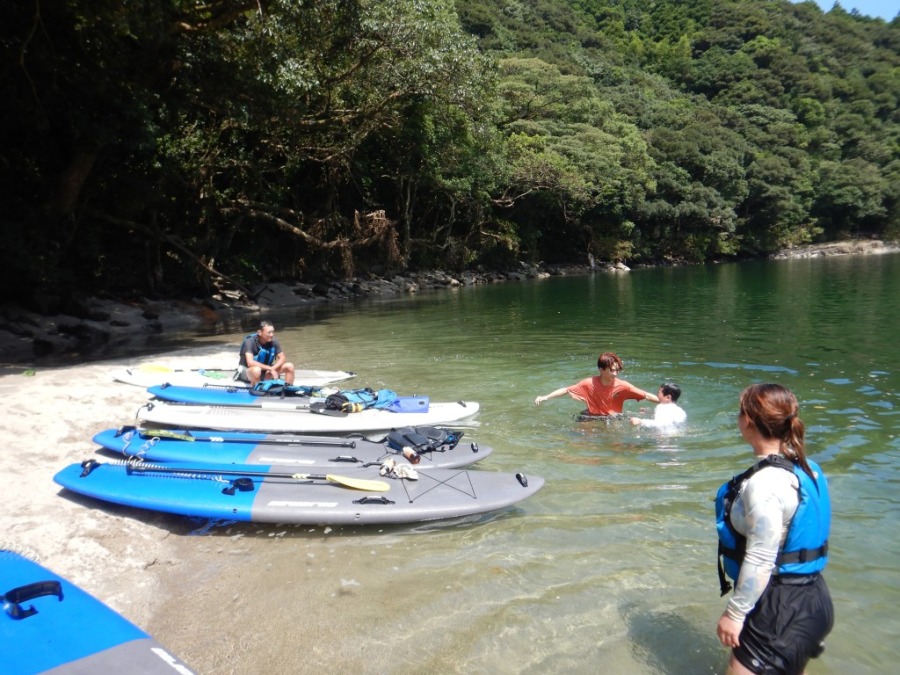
[49, 624]
[230, 409]
[282, 494]
[312, 452]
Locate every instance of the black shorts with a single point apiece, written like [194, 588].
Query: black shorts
[787, 627]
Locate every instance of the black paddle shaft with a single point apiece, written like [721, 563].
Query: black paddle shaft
[287, 440]
[89, 465]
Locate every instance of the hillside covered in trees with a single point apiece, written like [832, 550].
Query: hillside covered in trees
[159, 147]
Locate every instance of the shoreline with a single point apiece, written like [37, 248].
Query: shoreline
[101, 328]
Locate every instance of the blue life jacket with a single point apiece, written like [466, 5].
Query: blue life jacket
[357, 400]
[805, 548]
[281, 388]
[265, 356]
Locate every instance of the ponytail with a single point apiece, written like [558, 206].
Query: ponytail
[794, 445]
[774, 410]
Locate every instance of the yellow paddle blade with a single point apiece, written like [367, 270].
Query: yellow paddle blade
[354, 483]
[155, 368]
[167, 433]
[359, 483]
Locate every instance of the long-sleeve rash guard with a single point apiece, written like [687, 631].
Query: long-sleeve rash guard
[762, 512]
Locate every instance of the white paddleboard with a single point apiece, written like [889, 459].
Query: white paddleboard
[301, 421]
[151, 375]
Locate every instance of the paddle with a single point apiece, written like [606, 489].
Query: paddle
[319, 408]
[287, 440]
[354, 483]
[159, 368]
[209, 372]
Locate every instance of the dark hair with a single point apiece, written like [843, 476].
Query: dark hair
[774, 411]
[607, 359]
[264, 324]
[670, 389]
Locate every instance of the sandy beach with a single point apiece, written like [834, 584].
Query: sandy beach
[49, 419]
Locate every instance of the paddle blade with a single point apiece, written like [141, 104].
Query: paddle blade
[155, 368]
[166, 433]
[319, 408]
[359, 483]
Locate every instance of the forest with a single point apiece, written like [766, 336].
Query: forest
[168, 147]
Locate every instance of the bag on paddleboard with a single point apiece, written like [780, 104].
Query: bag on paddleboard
[357, 400]
[281, 388]
[423, 439]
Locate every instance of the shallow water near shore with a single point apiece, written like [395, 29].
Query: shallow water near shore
[612, 564]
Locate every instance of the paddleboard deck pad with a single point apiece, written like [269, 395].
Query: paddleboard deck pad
[49, 624]
[274, 494]
[151, 375]
[301, 419]
[319, 452]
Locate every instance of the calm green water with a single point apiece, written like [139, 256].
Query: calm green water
[612, 565]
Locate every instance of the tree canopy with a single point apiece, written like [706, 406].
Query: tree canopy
[161, 147]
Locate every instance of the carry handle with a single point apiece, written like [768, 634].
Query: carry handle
[13, 597]
[374, 500]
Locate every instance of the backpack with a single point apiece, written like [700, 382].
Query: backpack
[357, 400]
[423, 439]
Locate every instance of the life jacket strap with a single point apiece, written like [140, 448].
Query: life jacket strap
[724, 585]
[803, 555]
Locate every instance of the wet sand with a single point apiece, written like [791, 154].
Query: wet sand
[224, 597]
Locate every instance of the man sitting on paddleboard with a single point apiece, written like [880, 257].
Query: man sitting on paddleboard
[604, 394]
[263, 359]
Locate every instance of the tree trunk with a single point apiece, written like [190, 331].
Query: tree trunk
[73, 178]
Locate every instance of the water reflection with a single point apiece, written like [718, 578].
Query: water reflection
[611, 565]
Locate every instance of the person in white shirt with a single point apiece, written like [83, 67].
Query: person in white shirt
[668, 414]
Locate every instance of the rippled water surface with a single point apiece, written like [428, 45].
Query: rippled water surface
[611, 567]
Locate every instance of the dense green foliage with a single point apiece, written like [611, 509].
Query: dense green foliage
[156, 146]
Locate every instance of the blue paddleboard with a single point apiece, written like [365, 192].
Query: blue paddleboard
[244, 398]
[48, 623]
[320, 452]
[279, 494]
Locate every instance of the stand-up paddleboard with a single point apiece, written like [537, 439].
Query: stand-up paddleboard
[279, 494]
[301, 420]
[49, 624]
[319, 452]
[149, 375]
[244, 398]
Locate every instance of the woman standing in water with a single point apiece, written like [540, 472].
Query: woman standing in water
[773, 523]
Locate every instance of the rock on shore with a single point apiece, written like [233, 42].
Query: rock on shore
[96, 327]
[849, 247]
